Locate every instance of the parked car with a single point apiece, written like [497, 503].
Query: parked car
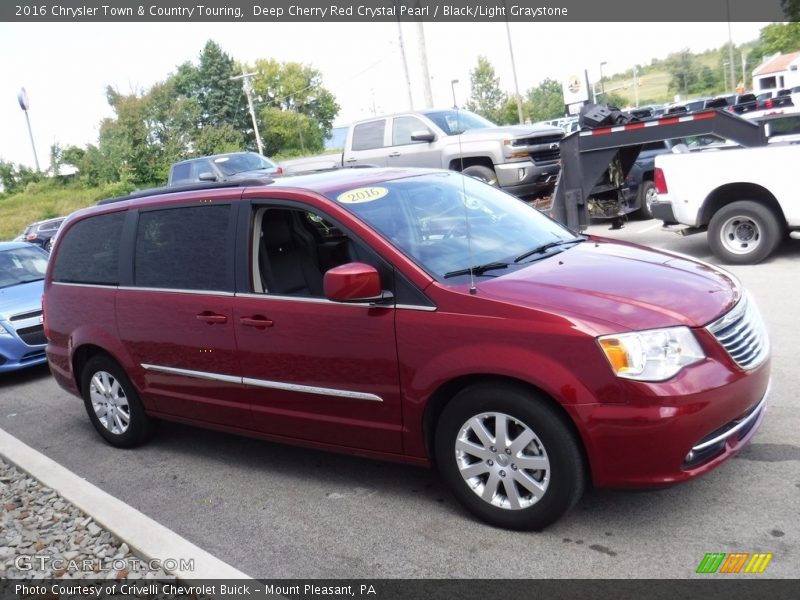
[222, 167]
[413, 315]
[744, 103]
[41, 233]
[22, 340]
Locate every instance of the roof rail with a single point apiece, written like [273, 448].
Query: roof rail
[190, 187]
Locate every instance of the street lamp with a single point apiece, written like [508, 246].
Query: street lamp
[453, 88]
[602, 79]
[22, 98]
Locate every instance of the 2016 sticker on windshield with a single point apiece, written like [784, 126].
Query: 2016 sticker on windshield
[364, 194]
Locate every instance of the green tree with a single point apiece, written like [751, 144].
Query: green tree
[486, 97]
[682, 71]
[545, 101]
[295, 111]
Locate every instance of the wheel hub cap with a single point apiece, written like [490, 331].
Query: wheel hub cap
[502, 460]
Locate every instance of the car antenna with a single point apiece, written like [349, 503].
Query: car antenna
[472, 287]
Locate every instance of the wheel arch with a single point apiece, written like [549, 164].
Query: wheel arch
[82, 355]
[459, 164]
[447, 392]
[733, 192]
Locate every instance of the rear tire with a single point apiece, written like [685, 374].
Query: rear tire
[744, 232]
[509, 457]
[647, 195]
[113, 404]
[481, 173]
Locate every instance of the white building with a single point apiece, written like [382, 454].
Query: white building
[777, 72]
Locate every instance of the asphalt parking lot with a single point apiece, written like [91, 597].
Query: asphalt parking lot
[276, 511]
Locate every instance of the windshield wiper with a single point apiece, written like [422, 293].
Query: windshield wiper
[477, 269]
[545, 247]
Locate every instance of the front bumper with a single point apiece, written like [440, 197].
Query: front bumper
[675, 432]
[16, 354]
[526, 177]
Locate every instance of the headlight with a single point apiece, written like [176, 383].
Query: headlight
[3, 330]
[653, 355]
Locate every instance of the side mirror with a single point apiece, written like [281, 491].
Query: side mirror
[207, 176]
[422, 136]
[353, 282]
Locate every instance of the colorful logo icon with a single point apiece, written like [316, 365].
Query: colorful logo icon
[735, 562]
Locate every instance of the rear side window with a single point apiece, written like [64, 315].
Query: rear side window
[368, 135]
[181, 173]
[89, 251]
[183, 248]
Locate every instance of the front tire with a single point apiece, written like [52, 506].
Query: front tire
[509, 457]
[113, 404]
[744, 232]
[481, 173]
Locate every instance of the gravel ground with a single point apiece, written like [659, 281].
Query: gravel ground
[43, 535]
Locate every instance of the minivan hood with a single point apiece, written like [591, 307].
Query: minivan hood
[623, 284]
[25, 297]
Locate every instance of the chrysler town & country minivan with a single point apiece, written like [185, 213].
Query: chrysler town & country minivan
[412, 315]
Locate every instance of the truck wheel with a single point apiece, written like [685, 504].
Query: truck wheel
[744, 232]
[482, 173]
[647, 195]
[509, 457]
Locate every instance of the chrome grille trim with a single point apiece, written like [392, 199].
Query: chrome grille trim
[26, 315]
[742, 333]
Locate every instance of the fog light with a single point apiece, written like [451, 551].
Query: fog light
[521, 173]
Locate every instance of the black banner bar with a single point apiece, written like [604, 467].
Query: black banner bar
[705, 587]
[279, 11]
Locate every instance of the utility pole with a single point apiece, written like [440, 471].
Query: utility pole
[730, 46]
[247, 84]
[423, 59]
[514, 71]
[636, 84]
[405, 61]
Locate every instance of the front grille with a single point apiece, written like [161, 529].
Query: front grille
[546, 155]
[33, 336]
[537, 141]
[27, 315]
[743, 335]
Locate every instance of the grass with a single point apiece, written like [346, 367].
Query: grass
[45, 200]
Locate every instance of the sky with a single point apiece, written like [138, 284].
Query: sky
[65, 67]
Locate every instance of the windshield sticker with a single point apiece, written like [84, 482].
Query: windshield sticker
[364, 194]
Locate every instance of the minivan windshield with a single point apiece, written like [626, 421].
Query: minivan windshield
[454, 122]
[451, 225]
[21, 265]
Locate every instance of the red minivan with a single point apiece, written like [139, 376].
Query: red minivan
[411, 315]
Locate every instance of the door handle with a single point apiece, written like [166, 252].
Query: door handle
[257, 321]
[394, 155]
[212, 318]
[351, 159]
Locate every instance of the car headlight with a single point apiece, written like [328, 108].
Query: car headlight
[653, 355]
[3, 330]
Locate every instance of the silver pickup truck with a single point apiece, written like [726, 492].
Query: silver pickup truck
[521, 159]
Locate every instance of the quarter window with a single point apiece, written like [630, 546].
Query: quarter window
[183, 248]
[368, 135]
[89, 252]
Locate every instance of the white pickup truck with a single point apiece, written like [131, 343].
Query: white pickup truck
[747, 198]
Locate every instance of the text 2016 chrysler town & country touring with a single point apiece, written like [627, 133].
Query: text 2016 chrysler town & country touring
[410, 315]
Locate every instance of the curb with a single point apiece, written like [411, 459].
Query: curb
[143, 535]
